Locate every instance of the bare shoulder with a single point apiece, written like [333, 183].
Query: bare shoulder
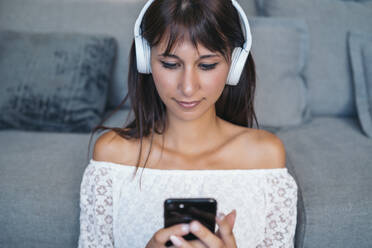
[263, 149]
[111, 147]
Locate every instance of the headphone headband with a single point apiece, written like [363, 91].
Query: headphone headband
[139, 19]
[245, 26]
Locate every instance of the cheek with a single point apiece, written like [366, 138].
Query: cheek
[163, 82]
[215, 83]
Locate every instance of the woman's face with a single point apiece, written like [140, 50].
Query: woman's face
[186, 76]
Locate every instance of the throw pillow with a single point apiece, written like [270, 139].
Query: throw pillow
[54, 81]
[279, 49]
[360, 50]
[328, 73]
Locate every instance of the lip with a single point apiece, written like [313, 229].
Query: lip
[188, 105]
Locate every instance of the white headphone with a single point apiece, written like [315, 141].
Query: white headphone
[239, 55]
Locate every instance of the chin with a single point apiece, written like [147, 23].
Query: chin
[187, 115]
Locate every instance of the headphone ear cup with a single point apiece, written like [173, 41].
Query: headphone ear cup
[147, 56]
[143, 55]
[238, 58]
[139, 54]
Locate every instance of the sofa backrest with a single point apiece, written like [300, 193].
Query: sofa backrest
[117, 18]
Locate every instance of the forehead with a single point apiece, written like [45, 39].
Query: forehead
[182, 44]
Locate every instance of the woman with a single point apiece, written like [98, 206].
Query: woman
[193, 130]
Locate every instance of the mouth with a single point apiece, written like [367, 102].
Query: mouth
[188, 105]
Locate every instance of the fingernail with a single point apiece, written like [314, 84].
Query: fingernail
[175, 240]
[185, 228]
[220, 216]
[194, 226]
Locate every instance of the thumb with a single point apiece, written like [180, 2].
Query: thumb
[226, 225]
[231, 217]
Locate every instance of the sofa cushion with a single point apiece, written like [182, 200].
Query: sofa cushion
[331, 161]
[40, 176]
[328, 73]
[360, 50]
[54, 81]
[112, 18]
[280, 49]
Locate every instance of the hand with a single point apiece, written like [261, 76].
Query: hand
[163, 235]
[224, 236]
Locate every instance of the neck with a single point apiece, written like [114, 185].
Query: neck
[189, 137]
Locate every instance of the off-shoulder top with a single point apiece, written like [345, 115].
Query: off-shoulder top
[116, 212]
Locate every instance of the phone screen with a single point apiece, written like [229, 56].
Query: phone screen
[184, 210]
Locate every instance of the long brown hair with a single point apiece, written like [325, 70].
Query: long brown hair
[213, 23]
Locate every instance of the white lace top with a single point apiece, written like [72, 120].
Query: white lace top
[116, 212]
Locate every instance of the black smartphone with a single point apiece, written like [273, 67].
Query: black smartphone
[184, 210]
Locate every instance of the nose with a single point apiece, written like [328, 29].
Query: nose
[189, 82]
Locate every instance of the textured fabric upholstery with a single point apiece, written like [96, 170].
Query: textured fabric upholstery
[328, 72]
[280, 50]
[54, 81]
[360, 51]
[331, 158]
[40, 176]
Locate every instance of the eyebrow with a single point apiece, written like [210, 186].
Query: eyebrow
[175, 56]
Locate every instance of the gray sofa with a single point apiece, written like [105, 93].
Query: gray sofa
[327, 152]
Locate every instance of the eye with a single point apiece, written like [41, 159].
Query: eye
[204, 67]
[168, 65]
[207, 67]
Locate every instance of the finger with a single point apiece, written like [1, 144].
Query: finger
[225, 227]
[231, 217]
[193, 243]
[163, 235]
[180, 242]
[197, 244]
[204, 234]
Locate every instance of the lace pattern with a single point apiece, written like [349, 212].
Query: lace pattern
[96, 222]
[281, 213]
